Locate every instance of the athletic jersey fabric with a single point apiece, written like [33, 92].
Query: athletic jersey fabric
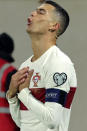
[46, 104]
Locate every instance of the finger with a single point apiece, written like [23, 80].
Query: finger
[21, 81]
[23, 76]
[26, 80]
[20, 73]
[30, 74]
[25, 68]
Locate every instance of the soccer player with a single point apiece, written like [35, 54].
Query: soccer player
[40, 94]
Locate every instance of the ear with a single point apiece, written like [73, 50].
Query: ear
[54, 27]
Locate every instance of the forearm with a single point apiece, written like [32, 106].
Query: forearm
[49, 113]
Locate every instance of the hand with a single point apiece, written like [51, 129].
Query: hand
[27, 81]
[18, 78]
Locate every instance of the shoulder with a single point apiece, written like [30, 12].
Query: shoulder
[61, 57]
[58, 61]
[60, 71]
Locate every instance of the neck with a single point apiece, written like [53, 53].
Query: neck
[40, 44]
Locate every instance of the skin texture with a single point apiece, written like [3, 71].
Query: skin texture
[42, 32]
[42, 20]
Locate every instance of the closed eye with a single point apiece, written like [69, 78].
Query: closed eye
[41, 11]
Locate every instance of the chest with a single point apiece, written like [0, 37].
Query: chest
[37, 84]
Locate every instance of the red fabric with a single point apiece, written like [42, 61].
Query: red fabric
[9, 69]
[22, 106]
[38, 93]
[70, 97]
[7, 124]
[3, 102]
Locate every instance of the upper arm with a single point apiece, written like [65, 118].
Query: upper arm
[60, 80]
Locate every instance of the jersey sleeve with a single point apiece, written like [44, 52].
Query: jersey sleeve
[14, 107]
[14, 104]
[59, 81]
[57, 84]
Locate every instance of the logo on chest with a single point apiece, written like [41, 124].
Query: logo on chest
[35, 79]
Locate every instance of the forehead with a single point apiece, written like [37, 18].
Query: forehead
[47, 7]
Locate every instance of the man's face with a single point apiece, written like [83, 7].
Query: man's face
[40, 19]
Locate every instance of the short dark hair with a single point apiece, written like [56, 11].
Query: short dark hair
[64, 17]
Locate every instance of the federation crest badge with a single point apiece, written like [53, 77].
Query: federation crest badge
[35, 79]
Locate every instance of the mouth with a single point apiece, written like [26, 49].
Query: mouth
[29, 21]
